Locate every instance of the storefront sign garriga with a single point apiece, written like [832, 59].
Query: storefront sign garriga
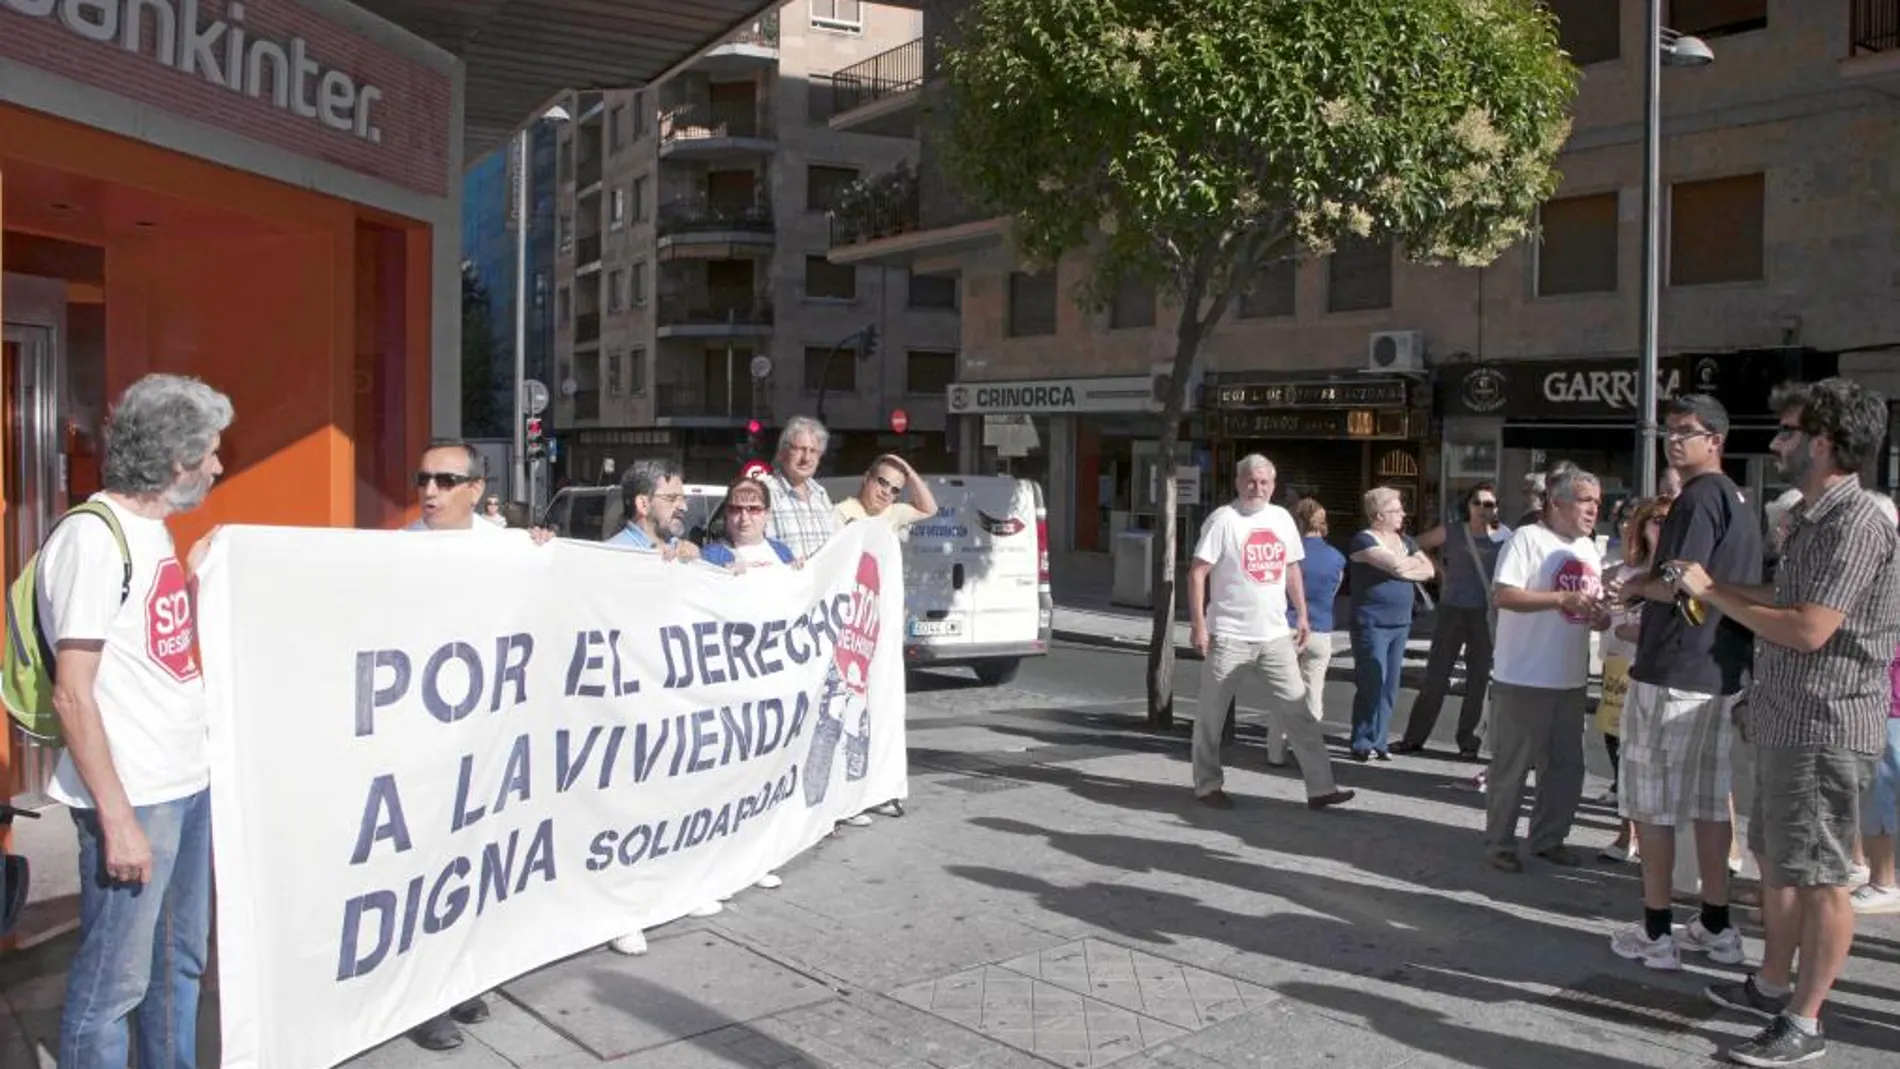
[220, 50]
[1553, 389]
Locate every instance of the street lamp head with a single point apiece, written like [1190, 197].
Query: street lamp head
[558, 113]
[1679, 50]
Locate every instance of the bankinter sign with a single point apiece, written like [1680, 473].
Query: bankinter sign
[221, 51]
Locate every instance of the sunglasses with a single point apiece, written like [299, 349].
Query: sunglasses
[443, 480]
[745, 510]
[1485, 504]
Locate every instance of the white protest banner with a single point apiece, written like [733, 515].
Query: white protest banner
[440, 761]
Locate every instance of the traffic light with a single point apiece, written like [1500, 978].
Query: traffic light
[751, 445]
[867, 342]
[536, 444]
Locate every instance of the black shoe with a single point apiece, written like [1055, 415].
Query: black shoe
[1781, 1043]
[1326, 801]
[892, 808]
[474, 1011]
[1506, 861]
[1561, 855]
[1746, 997]
[1468, 755]
[1404, 747]
[1383, 755]
[1362, 756]
[1215, 799]
[437, 1033]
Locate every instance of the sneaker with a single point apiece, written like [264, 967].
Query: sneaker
[1634, 944]
[1747, 997]
[710, 909]
[770, 882]
[1607, 797]
[631, 944]
[1781, 1043]
[1724, 948]
[859, 821]
[1873, 898]
[1619, 854]
[1859, 876]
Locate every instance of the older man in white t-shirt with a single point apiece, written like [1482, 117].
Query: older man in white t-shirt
[1549, 597]
[1248, 550]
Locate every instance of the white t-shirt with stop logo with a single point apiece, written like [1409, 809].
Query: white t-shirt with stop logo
[1250, 555]
[1548, 650]
[151, 696]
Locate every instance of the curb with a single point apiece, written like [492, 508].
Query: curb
[1116, 642]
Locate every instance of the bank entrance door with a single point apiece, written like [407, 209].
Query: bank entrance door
[34, 487]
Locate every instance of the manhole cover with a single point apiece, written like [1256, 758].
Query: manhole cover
[1087, 1003]
[1621, 1000]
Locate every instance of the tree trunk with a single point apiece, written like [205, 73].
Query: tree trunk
[1161, 640]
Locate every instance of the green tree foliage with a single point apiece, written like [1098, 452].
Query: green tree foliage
[1192, 145]
[484, 401]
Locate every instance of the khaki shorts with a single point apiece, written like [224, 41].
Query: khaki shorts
[1806, 813]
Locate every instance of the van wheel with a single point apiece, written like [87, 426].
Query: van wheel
[998, 672]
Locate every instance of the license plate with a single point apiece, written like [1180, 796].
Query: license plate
[935, 628]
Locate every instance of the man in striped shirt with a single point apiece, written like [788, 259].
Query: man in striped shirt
[801, 515]
[1824, 639]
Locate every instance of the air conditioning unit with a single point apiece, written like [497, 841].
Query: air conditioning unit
[1395, 351]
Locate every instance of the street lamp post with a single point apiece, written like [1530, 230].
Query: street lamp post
[518, 406]
[1675, 50]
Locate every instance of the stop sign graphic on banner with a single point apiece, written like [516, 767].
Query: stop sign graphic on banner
[1264, 556]
[170, 631]
[859, 640]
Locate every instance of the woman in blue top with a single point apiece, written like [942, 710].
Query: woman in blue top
[1322, 570]
[1386, 568]
[743, 543]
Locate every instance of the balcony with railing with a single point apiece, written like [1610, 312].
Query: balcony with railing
[882, 206]
[587, 250]
[879, 95]
[1873, 44]
[712, 401]
[587, 404]
[586, 329]
[718, 127]
[751, 45]
[742, 227]
[714, 312]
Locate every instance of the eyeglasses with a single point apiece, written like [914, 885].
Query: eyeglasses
[1686, 436]
[745, 510]
[1486, 504]
[1784, 430]
[894, 488]
[678, 495]
[443, 480]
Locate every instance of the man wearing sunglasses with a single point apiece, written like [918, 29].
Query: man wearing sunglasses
[878, 497]
[1677, 750]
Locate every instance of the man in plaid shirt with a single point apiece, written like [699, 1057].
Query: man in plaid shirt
[801, 510]
[1817, 710]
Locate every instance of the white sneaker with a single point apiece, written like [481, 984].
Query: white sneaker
[1873, 898]
[633, 943]
[1634, 944]
[710, 909]
[1859, 875]
[1607, 797]
[1723, 949]
[1619, 854]
[861, 820]
[770, 881]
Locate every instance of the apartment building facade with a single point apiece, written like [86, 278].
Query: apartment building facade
[1357, 369]
[693, 292]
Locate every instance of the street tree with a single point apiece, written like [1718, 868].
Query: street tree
[1191, 147]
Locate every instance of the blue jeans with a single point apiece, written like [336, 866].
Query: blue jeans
[141, 946]
[1378, 652]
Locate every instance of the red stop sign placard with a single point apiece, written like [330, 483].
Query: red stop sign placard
[900, 420]
[170, 629]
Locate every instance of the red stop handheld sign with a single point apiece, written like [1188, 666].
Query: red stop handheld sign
[900, 421]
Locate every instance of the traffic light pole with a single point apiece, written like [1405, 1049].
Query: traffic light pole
[864, 341]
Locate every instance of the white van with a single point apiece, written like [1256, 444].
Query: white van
[976, 575]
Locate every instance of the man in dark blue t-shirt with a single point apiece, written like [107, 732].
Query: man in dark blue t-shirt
[1678, 738]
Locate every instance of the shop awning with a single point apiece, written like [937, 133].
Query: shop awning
[521, 52]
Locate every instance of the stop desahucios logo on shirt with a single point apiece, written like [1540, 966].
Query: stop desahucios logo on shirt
[170, 629]
[1264, 557]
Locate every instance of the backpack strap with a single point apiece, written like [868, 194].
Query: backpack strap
[104, 512]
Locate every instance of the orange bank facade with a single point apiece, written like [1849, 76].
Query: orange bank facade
[262, 193]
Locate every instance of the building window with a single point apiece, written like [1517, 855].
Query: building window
[1132, 305]
[929, 372]
[564, 232]
[1270, 293]
[1589, 30]
[639, 116]
[616, 128]
[937, 292]
[637, 284]
[638, 196]
[838, 369]
[615, 289]
[1715, 231]
[564, 306]
[1359, 275]
[829, 281]
[637, 372]
[821, 100]
[617, 208]
[1032, 303]
[614, 382]
[824, 186]
[1716, 18]
[1578, 250]
[843, 15]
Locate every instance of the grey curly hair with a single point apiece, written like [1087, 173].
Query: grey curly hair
[162, 425]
